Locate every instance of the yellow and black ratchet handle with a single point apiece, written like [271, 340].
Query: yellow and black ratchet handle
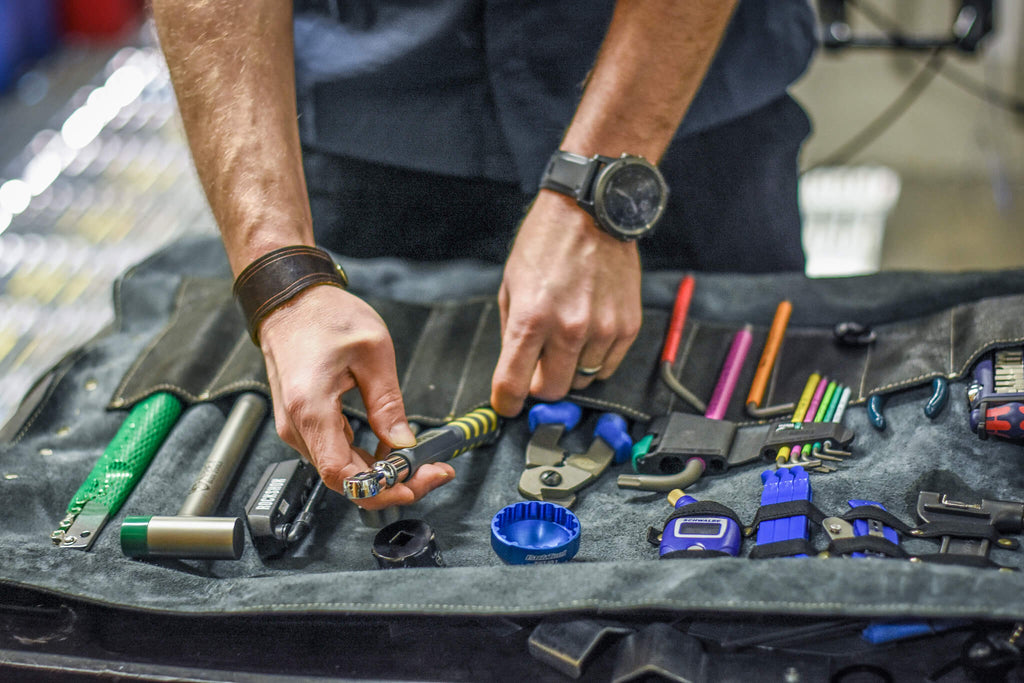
[476, 428]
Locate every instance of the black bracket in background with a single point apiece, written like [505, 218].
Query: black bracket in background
[973, 21]
[659, 650]
[567, 644]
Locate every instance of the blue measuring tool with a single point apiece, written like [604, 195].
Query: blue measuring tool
[707, 531]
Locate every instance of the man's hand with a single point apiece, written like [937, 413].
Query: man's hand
[570, 299]
[319, 345]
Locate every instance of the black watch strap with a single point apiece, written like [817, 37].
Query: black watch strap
[569, 174]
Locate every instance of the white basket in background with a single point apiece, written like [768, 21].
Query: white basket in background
[844, 209]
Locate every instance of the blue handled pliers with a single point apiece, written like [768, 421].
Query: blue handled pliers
[553, 474]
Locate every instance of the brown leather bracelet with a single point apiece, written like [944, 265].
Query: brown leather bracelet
[278, 276]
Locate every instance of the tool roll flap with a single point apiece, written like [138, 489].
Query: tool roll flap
[445, 354]
[446, 351]
[615, 568]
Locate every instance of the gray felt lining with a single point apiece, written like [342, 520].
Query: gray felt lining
[48, 456]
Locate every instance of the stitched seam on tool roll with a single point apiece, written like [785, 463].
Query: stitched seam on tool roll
[474, 346]
[417, 348]
[583, 603]
[68, 362]
[176, 311]
[239, 345]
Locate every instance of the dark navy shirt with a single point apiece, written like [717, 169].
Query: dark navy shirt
[486, 88]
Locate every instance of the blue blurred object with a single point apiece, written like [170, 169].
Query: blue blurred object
[535, 532]
[879, 632]
[28, 32]
[11, 41]
[40, 28]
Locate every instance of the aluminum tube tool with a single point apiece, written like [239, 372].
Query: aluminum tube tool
[476, 428]
[117, 471]
[193, 534]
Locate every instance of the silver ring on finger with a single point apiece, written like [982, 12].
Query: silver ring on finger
[588, 371]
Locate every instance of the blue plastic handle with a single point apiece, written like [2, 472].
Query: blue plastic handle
[565, 413]
[612, 429]
[878, 632]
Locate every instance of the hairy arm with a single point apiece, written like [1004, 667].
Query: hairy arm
[232, 65]
[571, 293]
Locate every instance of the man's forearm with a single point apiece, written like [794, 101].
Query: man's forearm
[650, 66]
[231, 62]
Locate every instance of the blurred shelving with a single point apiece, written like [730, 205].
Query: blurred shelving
[99, 187]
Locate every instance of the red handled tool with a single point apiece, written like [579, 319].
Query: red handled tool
[675, 334]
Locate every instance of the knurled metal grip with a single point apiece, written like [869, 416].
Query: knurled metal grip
[278, 276]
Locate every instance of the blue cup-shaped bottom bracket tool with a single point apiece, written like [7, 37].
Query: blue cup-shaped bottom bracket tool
[534, 532]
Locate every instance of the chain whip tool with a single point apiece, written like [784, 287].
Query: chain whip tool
[476, 428]
[117, 471]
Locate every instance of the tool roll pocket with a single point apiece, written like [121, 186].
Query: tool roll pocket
[904, 354]
[446, 354]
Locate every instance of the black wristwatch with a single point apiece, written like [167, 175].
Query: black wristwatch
[626, 196]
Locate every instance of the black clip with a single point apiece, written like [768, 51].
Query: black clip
[831, 434]
[854, 334]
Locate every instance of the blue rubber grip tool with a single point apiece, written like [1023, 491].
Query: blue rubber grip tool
[611, 427]
[782, 486]
[613, 430]
[565, 413]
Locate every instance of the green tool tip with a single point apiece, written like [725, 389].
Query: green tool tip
[134, 532]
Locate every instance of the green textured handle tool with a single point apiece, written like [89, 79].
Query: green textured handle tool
[112, 478]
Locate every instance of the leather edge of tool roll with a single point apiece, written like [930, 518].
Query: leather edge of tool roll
[278, 276]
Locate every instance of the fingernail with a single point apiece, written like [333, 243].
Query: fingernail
[401, 436]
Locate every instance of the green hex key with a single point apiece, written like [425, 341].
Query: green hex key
[112, 478]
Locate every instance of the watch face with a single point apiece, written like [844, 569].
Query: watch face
[630, 197]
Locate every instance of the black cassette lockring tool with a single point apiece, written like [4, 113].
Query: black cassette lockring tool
[476, 428]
